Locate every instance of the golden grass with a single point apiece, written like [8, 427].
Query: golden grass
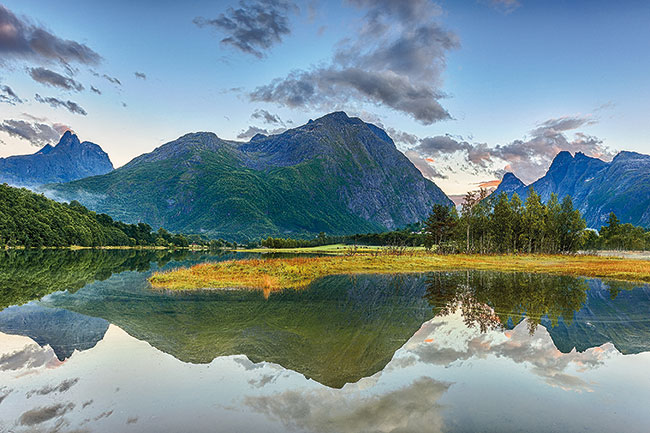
[278, 273]
[325, 249]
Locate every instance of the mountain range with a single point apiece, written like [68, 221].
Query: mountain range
[68, 160]
[336, 174]
[597, 187]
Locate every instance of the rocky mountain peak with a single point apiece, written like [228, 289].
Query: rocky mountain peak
[68, 160]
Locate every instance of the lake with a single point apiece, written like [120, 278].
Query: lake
[86, 345]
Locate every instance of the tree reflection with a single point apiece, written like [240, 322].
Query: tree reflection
[493, 300]
[28, 275]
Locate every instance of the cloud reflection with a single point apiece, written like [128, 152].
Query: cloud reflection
[30, 356]
[443, 341]
[413, 408]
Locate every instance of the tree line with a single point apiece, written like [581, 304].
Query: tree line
[31, 220]
[496, 224]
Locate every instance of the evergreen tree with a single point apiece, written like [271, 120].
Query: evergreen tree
[440, 224]
[534, 221]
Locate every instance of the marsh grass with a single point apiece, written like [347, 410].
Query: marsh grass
[280, 273]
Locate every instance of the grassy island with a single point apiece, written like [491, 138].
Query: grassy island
[278, 273]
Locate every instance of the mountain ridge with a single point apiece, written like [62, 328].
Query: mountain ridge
[597, 187]
[69, 160]
[334, 174]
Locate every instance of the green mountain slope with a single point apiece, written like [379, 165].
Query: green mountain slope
[336, 174]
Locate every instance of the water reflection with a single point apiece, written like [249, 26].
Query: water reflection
[64, 331]
[458, 351]
[28, 275]
[447, 377]
[337, 331]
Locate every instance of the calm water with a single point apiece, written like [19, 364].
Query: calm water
[91, 348]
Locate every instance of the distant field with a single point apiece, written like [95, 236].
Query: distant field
[278, 273]
[639, 255]
[325, 249]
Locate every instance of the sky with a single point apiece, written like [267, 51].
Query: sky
[468, 90]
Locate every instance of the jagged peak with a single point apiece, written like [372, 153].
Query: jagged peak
[45, 149]
[68, 139]
[563, 155]
[510, 177]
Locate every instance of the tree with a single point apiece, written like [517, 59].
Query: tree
[501, 227]
[572, 226]
[534, 219]
[517, 212]
[440, 224]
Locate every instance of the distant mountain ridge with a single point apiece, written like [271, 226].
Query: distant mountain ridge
[597, 187]
[335, 174]
[68, 160]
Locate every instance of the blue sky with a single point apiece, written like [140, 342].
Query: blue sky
[511, 82]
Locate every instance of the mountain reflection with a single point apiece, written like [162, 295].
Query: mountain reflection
[338, 330]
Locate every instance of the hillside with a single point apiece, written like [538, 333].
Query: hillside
[336, 174]
[68, 160]
[597, 187]
[29, 220]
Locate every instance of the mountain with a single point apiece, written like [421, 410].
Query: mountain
[509, 184]
[336, 174]
[68, 160]
[597, 187]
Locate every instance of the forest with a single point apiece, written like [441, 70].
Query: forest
[497, 224]
[32, 220]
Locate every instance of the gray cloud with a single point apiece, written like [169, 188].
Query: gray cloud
[53, 79]
[528, 158]
[255, 26]
[396, 60]
[402, 137]
[43, 414]
[8, 96]
[95, 90]
[20, 39]
[112, 79]
[37, 133]
[505, 6]
[413, 408]
[140, 75]
[72, 107]
[266, 117]
[425, 168]
[252, 131]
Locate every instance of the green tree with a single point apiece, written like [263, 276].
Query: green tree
[534, 221]
[440, 224]
[501, 226]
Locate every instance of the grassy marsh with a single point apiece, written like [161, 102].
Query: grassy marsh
[279, 273]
